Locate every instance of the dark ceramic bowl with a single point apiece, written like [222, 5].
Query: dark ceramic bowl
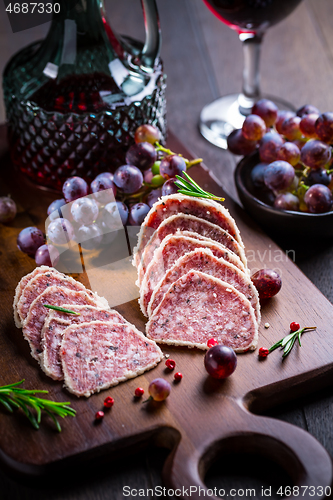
[283, 222]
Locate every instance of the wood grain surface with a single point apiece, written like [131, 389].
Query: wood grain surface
[203, 60]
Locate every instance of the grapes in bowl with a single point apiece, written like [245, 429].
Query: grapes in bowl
[285, 179]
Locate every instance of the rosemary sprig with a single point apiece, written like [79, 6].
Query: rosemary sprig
[13, 397]
[61, 309]
[189, 187]
[287, 343]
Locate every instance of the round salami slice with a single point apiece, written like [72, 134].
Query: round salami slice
[98, 355]
[56, 323]
[203, 260]
[171, 248]
[55, 296]
[185, 222]
[178, 203]
[198, 307]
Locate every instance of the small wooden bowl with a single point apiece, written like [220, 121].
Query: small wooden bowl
[283, 222]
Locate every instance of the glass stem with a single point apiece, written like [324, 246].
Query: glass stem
[251, 77]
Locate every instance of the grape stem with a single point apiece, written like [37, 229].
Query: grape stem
[189, 163]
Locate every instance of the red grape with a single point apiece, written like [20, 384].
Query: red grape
[318, 176]
[308, 126]
[90, 236]
[147, 133]
[220, 361]
[239, 145]
[324, 127]
[267, 282]
[30, 239]
[269, 146]
[47, 255]
[159, 389]
[286, 201]
[290, 128]
[257, 175]
[315, 154]
[308, 109]
[318, 199]
[103, 188]
[153, 196]
[172, 166]
[143, 155]
[148, 175]
[84, 210]
[137, 214]
[279, 175]
[54, 210]
[169, 187]
[7, 209]
[60, 231]
[128, 178]
[254, 128]
[267, 110]
[74, 188]
[289, 152]
[282, 116]
[111, 213]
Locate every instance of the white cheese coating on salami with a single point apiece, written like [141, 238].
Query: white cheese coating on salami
[198, 307]
[178, 203]
[185, 222]
[203, 260]
[54, 326]
[55, 296]
[22, 284]
[171, 248]
[98, 355]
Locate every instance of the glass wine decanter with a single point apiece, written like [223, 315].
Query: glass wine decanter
[74, 100]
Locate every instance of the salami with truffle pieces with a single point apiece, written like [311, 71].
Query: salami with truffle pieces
[203, 260]
[185, 222]
[98, 355]
[56, 323]
[178, 203]
[198, 307]
[56, 296]
[171, 248]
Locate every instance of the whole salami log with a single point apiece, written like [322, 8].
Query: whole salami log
[185, 222]
[98, 355]
[178, 203]
[203, 260]
[171, 248]
[56, 323]
[198, 307]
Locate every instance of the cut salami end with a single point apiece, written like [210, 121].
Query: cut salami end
[54, 326]
[56, 296]
[177, 203]
[171, 248]
[98, 355]
[22, 284]
[198, 307]
[203, 260]
[185, 222]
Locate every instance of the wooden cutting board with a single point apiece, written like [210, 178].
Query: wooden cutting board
[202, 417]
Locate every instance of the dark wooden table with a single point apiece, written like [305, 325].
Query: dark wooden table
[203, 60]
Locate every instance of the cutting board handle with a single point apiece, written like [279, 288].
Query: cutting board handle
[295, 450]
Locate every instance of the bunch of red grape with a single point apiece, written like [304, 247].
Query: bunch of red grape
[129, 193]
[295, 150]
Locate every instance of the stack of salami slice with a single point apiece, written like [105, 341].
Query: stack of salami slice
[92, 350]
[193, 276]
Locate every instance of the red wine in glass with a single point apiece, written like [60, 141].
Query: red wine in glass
[251, 19]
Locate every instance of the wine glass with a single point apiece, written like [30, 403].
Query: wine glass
[251, 19]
